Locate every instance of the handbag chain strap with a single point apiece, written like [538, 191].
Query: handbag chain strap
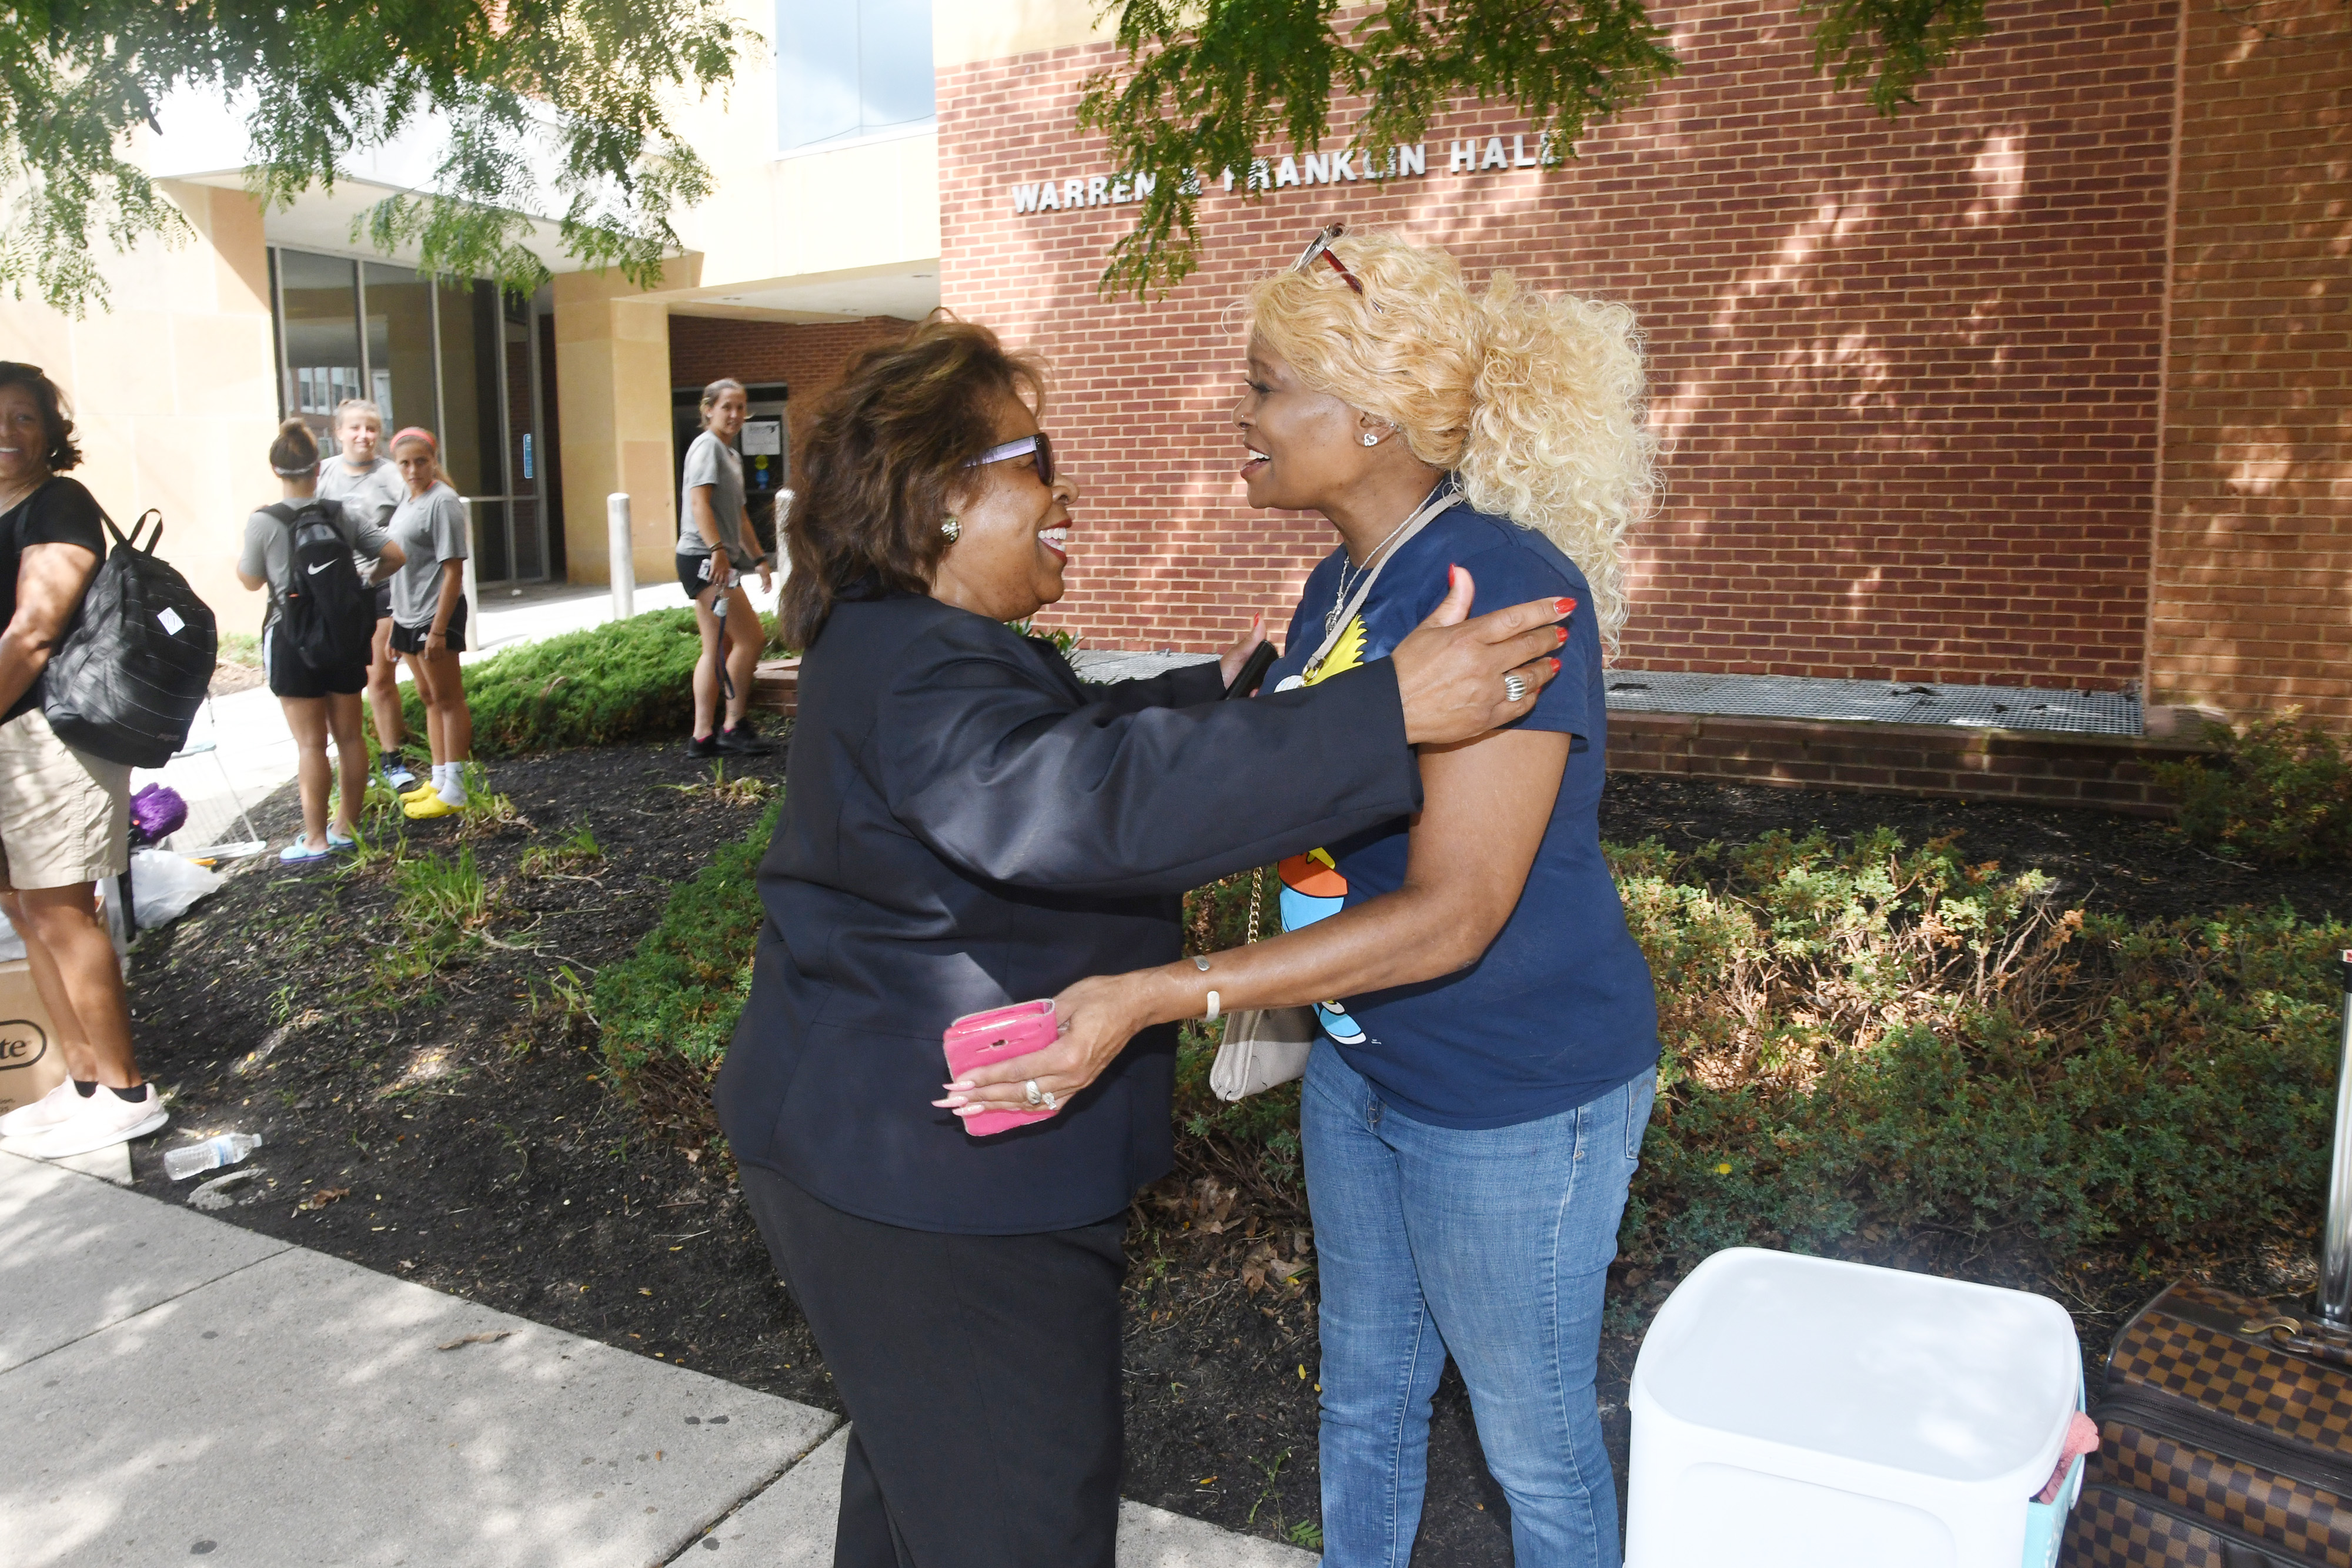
[1257, 886]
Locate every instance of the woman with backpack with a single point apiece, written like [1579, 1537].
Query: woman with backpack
[428, 617]
[65, 815]
[314, 642]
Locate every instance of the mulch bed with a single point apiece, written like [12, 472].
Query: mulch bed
[466, 1123]
[230, 677]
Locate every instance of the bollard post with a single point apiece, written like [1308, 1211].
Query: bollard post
[472, 635]
[2335, 1253]
[617, 541]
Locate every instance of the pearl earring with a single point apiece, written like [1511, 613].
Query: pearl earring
[952, 529]
[1370, 440]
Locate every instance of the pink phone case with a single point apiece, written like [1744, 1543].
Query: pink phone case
[980, 1040]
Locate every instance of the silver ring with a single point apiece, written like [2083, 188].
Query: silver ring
[1030, 1089]
[1050, 1102]
[1514, 688]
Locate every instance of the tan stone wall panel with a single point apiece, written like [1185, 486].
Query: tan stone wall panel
[175, 390]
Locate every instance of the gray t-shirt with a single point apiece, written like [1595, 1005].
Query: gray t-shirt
[710, 461]
[270, 547]
[371, 494]
[429, 528]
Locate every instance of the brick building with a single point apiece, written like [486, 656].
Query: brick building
[2042, 384]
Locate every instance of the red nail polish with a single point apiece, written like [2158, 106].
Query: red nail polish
[1564, 605]
[1555, 665]
[1563, 635]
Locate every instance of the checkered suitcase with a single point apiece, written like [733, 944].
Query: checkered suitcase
[2225, 1441]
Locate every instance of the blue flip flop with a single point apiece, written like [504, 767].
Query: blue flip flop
[336, 841]
[298, 852]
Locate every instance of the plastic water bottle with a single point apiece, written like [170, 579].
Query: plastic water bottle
[211, 1154]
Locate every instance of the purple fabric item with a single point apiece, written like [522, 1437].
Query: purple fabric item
[156, 812]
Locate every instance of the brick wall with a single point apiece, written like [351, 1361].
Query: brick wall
[1907, 371]
[2113, 773]
[2253, 581]
[808, 358]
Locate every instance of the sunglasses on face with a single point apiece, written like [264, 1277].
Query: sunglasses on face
[1038, 449]
[1320, 247]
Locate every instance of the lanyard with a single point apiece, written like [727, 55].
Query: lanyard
[1440, 502]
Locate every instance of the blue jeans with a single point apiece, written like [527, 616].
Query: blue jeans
[1493, 1247]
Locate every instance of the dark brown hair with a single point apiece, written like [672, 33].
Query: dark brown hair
[58, 450]
[295, 452]
[883, 465]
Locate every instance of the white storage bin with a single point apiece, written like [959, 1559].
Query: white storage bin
[1804, 1412]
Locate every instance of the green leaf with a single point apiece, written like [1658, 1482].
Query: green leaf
[561, 104]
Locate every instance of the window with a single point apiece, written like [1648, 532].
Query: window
[850, 68]
[452, 355]
[319, 331]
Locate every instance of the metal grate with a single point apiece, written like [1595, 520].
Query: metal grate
[1801, 697]
[1105, 665]
[1780, 696]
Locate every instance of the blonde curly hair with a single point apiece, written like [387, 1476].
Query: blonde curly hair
[1534, 399]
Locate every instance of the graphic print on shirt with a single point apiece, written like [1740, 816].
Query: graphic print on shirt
[1312, 886]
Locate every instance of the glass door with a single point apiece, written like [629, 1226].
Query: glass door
[451, 355]
[319, 337]
[396, 308]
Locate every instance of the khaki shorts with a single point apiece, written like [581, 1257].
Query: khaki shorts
[65, 815]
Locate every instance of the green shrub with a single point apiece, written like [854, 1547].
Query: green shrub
[610, 683]
[1861, 1042]
[1868, 1048]
[677, 996]
[2277, 793]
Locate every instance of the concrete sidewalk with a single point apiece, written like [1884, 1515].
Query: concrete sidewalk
[177, 1386]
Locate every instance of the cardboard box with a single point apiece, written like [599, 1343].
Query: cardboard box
[31, 1063]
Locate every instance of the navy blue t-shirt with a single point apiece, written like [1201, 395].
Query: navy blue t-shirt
[1561, 1009]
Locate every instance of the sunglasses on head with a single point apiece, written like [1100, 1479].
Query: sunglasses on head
[1039, 448]
[1320, 246]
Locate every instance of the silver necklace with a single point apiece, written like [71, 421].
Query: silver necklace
[1331, 617]
[18, 498]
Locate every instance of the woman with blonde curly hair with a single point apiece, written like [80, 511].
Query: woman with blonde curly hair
[1475, 1102]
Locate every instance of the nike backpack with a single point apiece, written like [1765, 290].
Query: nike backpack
[126, 682]
[327, 616]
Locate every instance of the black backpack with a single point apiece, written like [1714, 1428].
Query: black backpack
[327, 616]
[133, 668]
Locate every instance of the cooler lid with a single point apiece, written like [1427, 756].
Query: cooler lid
[1938, 1378]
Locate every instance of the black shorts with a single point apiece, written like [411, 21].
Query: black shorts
[291, 677]
[694, 573]
[412, 639]
[383, 600]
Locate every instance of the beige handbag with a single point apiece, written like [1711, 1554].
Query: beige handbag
[1262, 1046]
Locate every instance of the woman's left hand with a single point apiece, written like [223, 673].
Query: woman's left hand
[1231, 661]
[1098, 1018]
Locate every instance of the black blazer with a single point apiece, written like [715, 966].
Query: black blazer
[966, 825]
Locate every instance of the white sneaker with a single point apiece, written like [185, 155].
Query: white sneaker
[58, 1105]
[99, 1122]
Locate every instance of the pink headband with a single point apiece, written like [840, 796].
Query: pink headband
[417, 433]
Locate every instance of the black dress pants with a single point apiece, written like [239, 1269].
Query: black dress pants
[981, 1374]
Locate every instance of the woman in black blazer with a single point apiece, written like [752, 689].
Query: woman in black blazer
[966, 825]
